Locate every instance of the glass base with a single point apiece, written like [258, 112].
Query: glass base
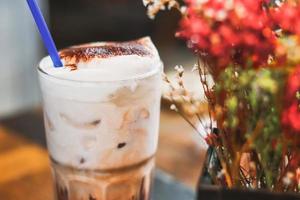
[131, 183]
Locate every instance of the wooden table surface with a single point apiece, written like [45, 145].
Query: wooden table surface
[24, 164]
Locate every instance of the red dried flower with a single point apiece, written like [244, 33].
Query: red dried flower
[287, 17]
[291, 114]
[230, 32]
[291, 117]
[298, 175]
[295, 160]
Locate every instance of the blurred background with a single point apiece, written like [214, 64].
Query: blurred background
[73, 22]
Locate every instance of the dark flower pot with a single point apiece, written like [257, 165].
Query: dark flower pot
[219, 193]
[206, 190]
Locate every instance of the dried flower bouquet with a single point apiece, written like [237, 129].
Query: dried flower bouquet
[252, 51]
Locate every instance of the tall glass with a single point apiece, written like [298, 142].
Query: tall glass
[102, 135]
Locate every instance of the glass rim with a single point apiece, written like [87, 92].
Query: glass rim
[158, 68]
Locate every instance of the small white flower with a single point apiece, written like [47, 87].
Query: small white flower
[229, 4]
[220, 174]
[221, 15]
[236, 74]
[179, 68]
[167, 97]
[186, 98]
[278, 3]
[195, 38]
[200, 2]
[209, 12]
[162, 7]
[177, 98]
[151, 15]
[173, 107]
[183, 10]
[195, 68]
[270, 59]
[288, 179]
[240, 10]
[172, 4]
[147, 2]
[189, 44]
[165, 78]
[151, 11]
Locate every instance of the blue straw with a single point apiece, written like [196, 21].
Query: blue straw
[45, 33]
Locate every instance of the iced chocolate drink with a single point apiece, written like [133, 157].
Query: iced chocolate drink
[101, 114]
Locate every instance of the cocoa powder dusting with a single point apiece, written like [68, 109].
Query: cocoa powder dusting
[72, 66]
[76, 54]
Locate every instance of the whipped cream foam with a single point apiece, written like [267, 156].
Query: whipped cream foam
[105, 61]
[101, 109]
